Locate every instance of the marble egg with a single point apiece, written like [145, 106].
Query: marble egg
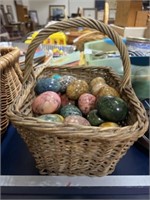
[97, 80]
[86, 102]
[65, 100]
[95, 89]
[111, 108]
[76, 88]
[64, 81]
[108, 124]
[47, 84]
[76, 119]
[56, 76]
[94, 118]
[51, 118]
[106, 90]
[70, 110]
[46, 103]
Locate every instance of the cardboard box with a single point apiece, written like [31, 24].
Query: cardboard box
[141, 18]
[126, 12]
[129, 31]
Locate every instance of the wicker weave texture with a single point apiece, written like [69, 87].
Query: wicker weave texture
[61, 149]
[10, 82]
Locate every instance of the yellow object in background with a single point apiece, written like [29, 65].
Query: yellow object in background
[58, 38]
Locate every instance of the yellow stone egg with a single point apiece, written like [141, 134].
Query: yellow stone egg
[108, 124]
[76, 88]
[107, 90]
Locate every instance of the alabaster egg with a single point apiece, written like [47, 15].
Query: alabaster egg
[76, 88]
[51, 118]
[47, 84]
[86, 102]
[96, 81]
[95, 89]
[107, 90]
[76, 119]
[46, 103]
[64, 81]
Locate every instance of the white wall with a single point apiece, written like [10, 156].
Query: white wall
[42, 7]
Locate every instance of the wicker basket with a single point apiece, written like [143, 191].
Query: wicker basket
[74, 149]
[10, 82]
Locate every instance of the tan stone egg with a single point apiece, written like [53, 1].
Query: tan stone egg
[76, 88]
[96, 81]
[95, 89]
[107, 90]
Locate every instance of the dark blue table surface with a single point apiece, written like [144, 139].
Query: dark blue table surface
[17, 160]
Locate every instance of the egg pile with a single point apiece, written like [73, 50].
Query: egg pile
[70, 100]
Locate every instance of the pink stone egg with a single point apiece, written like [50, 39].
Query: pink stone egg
[86, 103]
[46, 103]
[76, 119]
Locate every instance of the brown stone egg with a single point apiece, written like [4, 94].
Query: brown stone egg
[76, 88]
[107, 90]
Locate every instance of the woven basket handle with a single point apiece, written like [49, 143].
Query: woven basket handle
[74, 23]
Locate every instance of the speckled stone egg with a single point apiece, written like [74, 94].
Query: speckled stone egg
[46, 103]
[47, 84]
[51, 118]
[65, 81]
[106, 90]
[86, 102]
[108, 124]
[94, 118]
[97, 80]
[65, 100]
[76, 89]
[111, 108]
[95, 89]
[70, 110]
[76, 120]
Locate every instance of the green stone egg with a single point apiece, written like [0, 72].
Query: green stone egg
[112, 108]
[51, 118]
[93, 118]
[70, 110]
